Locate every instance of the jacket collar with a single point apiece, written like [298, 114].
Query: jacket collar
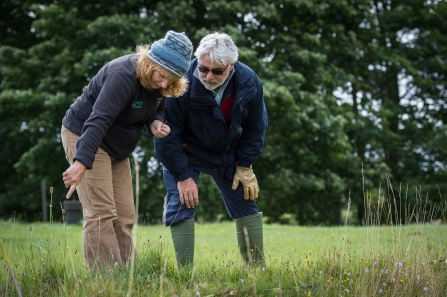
[199, 95]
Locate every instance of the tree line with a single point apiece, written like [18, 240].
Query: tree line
[355, 91]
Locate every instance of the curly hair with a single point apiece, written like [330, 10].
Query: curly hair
[145, 67]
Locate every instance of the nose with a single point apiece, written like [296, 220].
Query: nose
[164, 83]
[209, 75]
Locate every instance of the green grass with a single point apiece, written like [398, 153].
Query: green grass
[402, 260]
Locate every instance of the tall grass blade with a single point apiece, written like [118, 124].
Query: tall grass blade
[11, 273]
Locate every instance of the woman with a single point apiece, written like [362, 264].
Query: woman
[102, 128]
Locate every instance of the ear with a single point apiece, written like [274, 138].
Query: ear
[232, 66]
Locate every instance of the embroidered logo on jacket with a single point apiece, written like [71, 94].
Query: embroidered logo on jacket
[137, 104]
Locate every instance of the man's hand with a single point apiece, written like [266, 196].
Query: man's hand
[160, 129]
[189, 194]
[247, 178]
[72, 176]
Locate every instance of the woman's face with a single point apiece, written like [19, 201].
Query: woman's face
[160, 79]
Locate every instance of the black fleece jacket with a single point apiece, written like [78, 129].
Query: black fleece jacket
[112, 111]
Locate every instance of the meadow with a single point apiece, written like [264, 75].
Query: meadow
[372, 260]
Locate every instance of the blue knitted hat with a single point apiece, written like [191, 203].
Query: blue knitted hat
[173, 53]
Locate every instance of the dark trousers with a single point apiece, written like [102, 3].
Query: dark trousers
[234, 201]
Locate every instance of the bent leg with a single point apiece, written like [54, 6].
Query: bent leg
[248, 221]
[95, 192]
[180, 219]
[250, 238]
[183, 239]
[123, 193]
[175, 212]
[234, 201]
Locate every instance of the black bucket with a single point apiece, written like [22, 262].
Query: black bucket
[73, 211]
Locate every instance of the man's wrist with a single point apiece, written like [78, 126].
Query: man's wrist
[183, 176]
[245, 165]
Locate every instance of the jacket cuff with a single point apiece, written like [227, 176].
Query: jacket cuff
[243, 163]
[148, 126]
[85, 157]
[184, 176]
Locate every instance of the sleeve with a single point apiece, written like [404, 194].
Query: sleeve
[253, 127]
[169, 149]
[159, 115]
[116, 91]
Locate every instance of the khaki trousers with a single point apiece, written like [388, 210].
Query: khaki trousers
[106, 194]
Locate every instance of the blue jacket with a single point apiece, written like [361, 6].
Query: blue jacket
[202, 139]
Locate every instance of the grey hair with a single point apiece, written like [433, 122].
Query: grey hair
[220, 47]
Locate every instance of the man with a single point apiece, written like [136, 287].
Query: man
[218, 128]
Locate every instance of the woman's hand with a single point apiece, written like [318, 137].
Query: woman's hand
[72, 176]
[159, 129]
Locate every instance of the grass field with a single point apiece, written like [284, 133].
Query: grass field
[403, 260]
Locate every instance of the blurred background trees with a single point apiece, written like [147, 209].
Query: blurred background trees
[355, 91]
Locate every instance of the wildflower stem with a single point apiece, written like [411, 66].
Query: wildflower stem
[11, 273]
[247, 242]
[137, 199]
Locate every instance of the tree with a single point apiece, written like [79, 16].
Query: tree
[396, 95]
[40, 82]
[339, 119]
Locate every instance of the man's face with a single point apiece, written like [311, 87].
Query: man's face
[209, 79]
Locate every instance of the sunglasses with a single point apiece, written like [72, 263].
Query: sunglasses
[205, 70]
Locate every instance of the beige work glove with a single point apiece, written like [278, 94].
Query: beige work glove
[247, 178]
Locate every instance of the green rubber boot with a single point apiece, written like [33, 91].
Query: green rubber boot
[250, 239]
[183, 239]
